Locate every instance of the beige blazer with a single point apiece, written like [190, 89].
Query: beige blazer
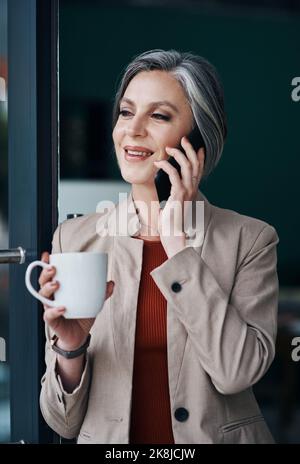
[221, 330]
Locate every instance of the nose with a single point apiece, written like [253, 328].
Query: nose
[136, 126]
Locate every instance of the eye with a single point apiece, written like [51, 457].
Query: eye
[124, 113]
[161, 116]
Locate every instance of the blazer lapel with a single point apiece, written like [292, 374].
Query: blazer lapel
[127, 273]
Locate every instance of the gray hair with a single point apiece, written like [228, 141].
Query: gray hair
[203, 89]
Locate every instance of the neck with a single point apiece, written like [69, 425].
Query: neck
[146, 201]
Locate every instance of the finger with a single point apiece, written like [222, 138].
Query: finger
[172, 172]
[185, 166]
[46, 275]
[201, 155]
[49, 289]
[45, 257]
[52, 315]
[196, 159]
[179, 156]
[109, 289]
[190, 151]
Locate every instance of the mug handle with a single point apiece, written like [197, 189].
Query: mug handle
[33, 292]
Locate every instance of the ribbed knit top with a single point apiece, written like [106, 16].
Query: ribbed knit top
[150, 413]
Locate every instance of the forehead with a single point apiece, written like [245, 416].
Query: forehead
[155, 85]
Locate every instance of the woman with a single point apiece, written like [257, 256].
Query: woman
[187, 327]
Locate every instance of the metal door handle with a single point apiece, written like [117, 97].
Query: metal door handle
[12, 256]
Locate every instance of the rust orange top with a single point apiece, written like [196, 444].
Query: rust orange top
[150, 413]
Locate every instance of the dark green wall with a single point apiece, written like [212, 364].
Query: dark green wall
[256, 57]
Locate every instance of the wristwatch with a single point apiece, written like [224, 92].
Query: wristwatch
[70, 354]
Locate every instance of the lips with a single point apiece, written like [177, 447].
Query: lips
[135, 150]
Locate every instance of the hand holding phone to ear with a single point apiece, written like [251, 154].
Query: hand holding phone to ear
[183, 187]
[162, 180]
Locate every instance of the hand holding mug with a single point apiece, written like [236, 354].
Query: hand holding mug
[84, 295]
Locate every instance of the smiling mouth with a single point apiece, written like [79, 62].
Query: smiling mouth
[140, 154]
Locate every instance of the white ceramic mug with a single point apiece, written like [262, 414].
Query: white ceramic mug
[82, 280]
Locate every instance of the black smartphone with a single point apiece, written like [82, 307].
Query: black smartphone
[162, 181]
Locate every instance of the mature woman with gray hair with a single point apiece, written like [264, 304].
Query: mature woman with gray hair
[188, 325]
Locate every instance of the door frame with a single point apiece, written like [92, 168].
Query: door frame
[33, 197]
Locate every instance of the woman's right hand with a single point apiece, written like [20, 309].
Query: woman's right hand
[71, 333]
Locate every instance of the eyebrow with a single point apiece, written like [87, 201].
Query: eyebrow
[156, 103]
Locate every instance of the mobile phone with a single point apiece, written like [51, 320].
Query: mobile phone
[162, 181]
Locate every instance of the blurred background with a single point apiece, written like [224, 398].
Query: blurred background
[255, 47]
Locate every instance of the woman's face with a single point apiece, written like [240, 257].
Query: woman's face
[154, 113]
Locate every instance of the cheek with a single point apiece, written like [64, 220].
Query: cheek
[117, 132]
[114, 135]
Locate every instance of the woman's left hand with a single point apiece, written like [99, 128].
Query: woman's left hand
[171, 218]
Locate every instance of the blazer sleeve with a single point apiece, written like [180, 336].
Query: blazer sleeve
[233, 333]
[64, 412]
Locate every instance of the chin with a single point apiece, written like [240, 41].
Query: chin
[136, 178]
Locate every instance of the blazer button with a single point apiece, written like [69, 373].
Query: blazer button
[181, 414]
[176, 287]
